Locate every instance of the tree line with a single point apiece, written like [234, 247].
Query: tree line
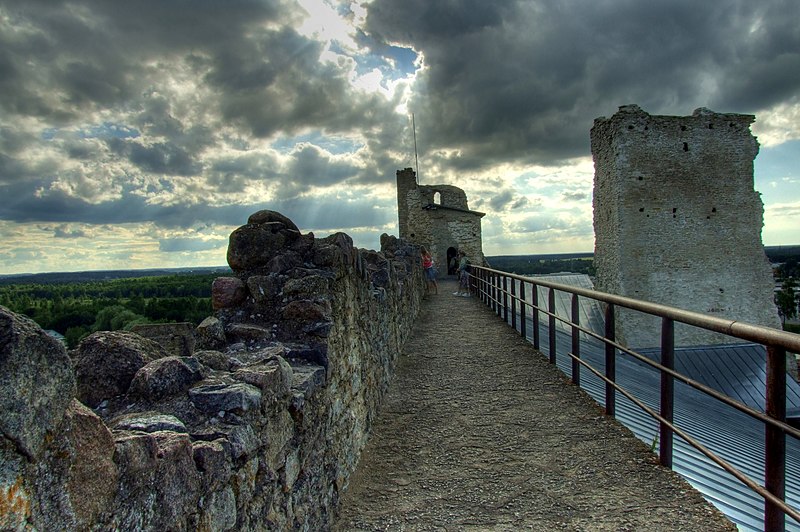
[76, 309]
[787, 274]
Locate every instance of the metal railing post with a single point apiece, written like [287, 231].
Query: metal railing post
[535, 315]
[498, 287]
[513, 304]
[551, 303]
[667, 391]
[611, 360]
[576, 341]
[775, 438]
[522, 323]
[505, 299]
[493, 291]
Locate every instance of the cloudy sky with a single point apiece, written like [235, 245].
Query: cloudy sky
[140, 133]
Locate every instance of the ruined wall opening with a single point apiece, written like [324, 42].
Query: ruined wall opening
[437, 198]
[452, 264]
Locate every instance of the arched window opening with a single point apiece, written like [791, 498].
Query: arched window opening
[437, 198]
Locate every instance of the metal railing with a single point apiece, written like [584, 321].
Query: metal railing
[492, 287]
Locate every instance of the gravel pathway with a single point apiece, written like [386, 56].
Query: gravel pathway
[478, 432]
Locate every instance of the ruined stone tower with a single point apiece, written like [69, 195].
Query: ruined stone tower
[438, 217]
[678, 222]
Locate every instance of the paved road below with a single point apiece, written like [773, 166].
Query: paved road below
[480, 432]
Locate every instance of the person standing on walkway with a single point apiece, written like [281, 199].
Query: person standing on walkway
[430, 271]
[463, 275]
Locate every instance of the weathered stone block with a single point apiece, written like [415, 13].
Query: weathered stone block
[213, 398]
[309, 355]
[73, 482]
[220, 510]
[159, 483]
[212, 459]
[36, 382]
[308, 287]
[148, 422]
[247, 332]
[177, 338]
[227, 292]
[307, 310]
[328, 256]
[165, 377]
[106, 363]
[267, 216]
[252, 246]
[280, 431]
[264, 288]
[273, 377]
[210, 334]
[214, 360]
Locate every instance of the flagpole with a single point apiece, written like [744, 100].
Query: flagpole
[416, 159]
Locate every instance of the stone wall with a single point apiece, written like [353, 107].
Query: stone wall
[678, 222]
[259, 427]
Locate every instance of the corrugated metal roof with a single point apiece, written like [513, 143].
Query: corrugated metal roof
[736, 370]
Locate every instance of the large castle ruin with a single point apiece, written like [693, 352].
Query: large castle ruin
[677, 220]
[438, 217]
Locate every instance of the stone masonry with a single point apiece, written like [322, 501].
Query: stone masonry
[678, 222]
[438, 217]
[257, 426]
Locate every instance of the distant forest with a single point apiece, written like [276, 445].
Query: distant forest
[78, 308]
[542, 264]
[76, 304]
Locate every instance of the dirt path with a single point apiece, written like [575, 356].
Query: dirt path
[479, 432]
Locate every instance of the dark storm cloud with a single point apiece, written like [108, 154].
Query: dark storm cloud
[163, 158]
[98, 55]
[575, 196]
[65, 232]
[524, 80]
[311, 165]
[93, 51]
[276, 83]
[162, 86]
[506, 200]
[31, 204]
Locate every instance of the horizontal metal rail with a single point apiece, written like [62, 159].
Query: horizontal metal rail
[492, 287]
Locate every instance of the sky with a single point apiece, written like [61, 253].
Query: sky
[141, 133]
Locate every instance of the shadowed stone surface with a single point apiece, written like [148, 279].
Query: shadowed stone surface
[36, 382]
[258, 430]
[480, 432]
[106, 362]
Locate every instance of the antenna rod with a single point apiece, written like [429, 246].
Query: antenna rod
[416, 159]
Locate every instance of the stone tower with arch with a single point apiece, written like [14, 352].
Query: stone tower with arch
[438, 217]
[677, 220]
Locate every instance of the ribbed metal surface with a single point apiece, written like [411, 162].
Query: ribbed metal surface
[736, 370]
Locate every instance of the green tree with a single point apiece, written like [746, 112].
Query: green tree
[102, 321]
[125, 318]
[74, 335]
[786, 300]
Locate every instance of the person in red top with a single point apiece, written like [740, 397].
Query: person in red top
[430, 271]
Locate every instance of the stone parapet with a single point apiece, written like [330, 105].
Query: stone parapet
[258, 428]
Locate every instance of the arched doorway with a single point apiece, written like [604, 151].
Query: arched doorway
[452, 262]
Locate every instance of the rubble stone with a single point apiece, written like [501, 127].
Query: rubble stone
[106, 363]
